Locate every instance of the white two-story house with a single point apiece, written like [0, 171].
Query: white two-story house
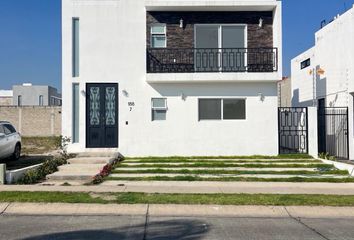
[171, 77]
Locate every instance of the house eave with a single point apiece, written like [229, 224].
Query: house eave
[197, 5]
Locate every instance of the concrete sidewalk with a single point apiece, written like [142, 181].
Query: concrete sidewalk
[196, 187]
[64, 209]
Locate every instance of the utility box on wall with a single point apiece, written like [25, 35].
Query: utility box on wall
[2, 174]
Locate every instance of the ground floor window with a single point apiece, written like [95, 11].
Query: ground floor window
[222, 109]
[158, 109]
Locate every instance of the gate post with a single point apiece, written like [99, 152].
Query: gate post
[312, 131]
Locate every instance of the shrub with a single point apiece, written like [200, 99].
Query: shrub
[62, 145]
[99, 178]
[39, 174]
[327, 156]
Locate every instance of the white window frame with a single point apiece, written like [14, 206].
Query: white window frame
[222, 108]
[165, 108]
[164, 33]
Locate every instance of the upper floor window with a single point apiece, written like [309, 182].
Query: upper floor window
[306, 63]
[40, 103]
[158, 36]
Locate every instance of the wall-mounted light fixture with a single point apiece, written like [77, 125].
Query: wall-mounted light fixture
[183, 96]
[83, 93]
[261, 97]
[125, 93]
[181, 23]
[260, 24]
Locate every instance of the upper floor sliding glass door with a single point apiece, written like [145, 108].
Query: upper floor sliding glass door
[220, 48]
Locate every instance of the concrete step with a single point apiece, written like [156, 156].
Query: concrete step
[127, 176]
[63, 183]
[107, 153]
[90, 160]
[81, 168]
[217, 169]
[69, 176]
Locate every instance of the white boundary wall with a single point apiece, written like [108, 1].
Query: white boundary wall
[334, 53]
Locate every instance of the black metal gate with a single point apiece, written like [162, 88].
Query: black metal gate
[293, 130]
[333, 132]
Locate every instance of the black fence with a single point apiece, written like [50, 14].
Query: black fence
[185, 60]
[293, 130]
[333, 132]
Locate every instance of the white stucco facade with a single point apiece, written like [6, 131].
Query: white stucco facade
[334, 53]
[113, 50]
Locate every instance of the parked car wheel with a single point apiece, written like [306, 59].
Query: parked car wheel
[17, 153]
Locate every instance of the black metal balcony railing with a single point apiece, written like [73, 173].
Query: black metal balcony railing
[186, 60]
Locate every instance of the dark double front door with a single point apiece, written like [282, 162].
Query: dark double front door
[102, 115]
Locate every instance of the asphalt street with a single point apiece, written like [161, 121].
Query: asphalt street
[169, 228]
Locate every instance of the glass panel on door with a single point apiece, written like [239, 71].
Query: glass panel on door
[110, 106]
[95, 106]
[233, 48]
[207, 52]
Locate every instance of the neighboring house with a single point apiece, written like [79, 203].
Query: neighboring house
[284, 92]
[323, 76]
[6, 97]
[34, 95]
[171, 77]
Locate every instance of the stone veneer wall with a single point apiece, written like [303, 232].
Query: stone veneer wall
[184, 37]
[33, 121]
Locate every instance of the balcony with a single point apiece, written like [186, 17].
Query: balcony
[212, 60]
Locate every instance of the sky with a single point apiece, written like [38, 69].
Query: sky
[30, 36]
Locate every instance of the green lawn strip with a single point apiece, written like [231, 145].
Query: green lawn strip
[285, 156]
[225, 165]
[214, 161]
[237, 199]
[211, 171]
[193, 199]
[232, 179]
[49, 197]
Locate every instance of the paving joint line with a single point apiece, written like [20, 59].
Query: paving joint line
[3, 211]
[305, 225]
[220, 189]
[146, 222]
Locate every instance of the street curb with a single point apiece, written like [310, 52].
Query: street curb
[65, 209]
[156, 210]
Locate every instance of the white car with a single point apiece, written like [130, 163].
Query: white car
[10, 141]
